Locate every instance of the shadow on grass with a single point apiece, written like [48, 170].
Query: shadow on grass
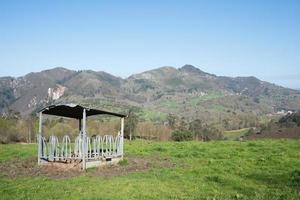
[288, 179]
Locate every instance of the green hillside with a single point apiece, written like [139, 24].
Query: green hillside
[225, 102]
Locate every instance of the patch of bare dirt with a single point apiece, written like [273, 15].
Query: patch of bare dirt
[29, 168]
[134, 164]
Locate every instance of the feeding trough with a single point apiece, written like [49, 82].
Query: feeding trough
[87, 151]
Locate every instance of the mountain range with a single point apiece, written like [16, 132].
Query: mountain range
[186, 92]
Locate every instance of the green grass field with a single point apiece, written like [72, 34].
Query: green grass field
[235, 134]
[151, 115]
[265, 169]
[211, 95]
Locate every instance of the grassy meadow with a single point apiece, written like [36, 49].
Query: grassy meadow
[235, 134]
[264, 169]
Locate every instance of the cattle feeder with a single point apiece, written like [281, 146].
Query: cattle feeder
[85, 150]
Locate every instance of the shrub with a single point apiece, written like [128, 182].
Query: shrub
[182, 135]
[251, 131]
[212, 133]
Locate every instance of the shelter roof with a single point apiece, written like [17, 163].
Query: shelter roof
[75, 111]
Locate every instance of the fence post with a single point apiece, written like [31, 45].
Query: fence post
[122, 136]
[84, 146]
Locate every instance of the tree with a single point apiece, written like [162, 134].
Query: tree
[171, 120]
[225, 123]
[196, 127]
[212, 133]
[61, 129]
[183, 126]
[130, 124]
[30, 122]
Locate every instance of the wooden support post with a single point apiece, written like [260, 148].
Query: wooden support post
[84, 140]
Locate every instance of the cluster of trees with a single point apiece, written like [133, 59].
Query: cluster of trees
[239, 121]
[177, 129]
[290, 120]
[195, 129]
[13, 128]
[153, 131]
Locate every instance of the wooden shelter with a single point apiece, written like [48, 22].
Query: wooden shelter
[89, 151]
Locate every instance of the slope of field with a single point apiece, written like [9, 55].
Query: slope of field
[235, 134]
[264, 169]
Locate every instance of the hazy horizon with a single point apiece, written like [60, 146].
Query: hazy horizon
[226, 38]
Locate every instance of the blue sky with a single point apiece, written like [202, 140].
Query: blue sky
[233, 38]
